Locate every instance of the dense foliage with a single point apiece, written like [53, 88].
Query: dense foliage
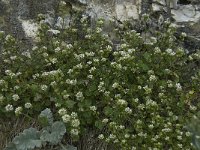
[137, 94]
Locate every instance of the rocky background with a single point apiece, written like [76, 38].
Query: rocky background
[18, 17]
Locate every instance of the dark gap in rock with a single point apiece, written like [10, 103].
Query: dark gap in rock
[185, 2]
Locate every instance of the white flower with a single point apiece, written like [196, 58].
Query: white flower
[121, 102]
[128, 110]
[136, 100]
[27, 105]
[75, 123]
[150, 102]
[157, 50]
[57, 49]
[2, 82]
[88, 36]
[122, 127]
[166, 130]
[89, 54]
[93, 108]
[193, 107]
[53, 83]
[9, 107]
[105, 120]
[70, 71]
[34, 48]
[170, 52]
[9, 73]
[115, 85]
[79, 66]
[74, 132]
[68, 46]
[130, 51]
[167, 138]
[147, 89]
[43, 87]
[13, 57]
[62, 111]
[109, 48]
[55, 32]
[79, 96]
[179, 137]
[74, 115]
[152, 78]
[112, 136]
[66, 118]
[90, 76]
[66, 96]
[45, 54]
[89, 62]
[183, 34]
[18, 110]
[71, 82]
[101, 136]
[101, 87]
[123, 46]
[16, 87]
[178, 87]
[180, 145]
[96, 60]
[127, 136]
[151, 126]
[54, 60]
[27, 54]
[92, 69]
[98, 30]
[15, 97]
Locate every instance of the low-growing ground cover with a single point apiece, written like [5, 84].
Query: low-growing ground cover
[138, 94]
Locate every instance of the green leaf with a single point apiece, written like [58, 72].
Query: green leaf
[99, 124]
[67, 147]
[46, 117]
[108, 111]
[70, 147]
[28, 139]
[70, 103]
[56, 133]
[92, 87]
[11, 146]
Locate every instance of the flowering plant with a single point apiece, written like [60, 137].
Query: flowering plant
[137, 94]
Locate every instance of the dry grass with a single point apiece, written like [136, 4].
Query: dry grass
[10, 128]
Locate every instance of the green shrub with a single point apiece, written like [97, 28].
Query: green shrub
[137, 94]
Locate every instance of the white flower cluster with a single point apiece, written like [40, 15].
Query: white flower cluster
[170, 52]
[9, 108]
[15, 97]
[101, 87]
[71, 82]
[44, 87]
[71, 120]
[79, 96]
[121, 102]
[178, 87]
[51, 73]
[28, 105]
[18, 110]
[79, 56]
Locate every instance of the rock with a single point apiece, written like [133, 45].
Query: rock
[30, 28]
[18, 17]
[186, 13]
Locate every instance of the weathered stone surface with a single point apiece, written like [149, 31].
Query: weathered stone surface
[18, 16]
